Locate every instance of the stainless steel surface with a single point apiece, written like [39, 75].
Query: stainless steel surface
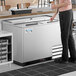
[32, 20]
[33, 37]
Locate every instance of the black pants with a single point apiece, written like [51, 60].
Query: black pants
[66, 19]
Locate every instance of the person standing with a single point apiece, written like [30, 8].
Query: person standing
[66, 19]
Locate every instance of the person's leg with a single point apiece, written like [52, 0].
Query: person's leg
[64, 36]
[71, 43]
[71, 46]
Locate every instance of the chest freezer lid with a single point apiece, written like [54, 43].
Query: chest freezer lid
[27, 20]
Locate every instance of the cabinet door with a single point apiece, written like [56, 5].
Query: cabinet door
[37, 42]
[56, 38]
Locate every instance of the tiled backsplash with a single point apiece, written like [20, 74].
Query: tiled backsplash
[5, 13]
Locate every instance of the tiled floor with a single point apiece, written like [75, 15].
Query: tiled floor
[6, 67]
[44, 69]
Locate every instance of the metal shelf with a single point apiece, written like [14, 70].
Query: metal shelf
[6, 54]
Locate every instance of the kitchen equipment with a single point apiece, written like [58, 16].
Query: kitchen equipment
[18, 6]
[6, 48]
[27, 4]
[7, 7]
[20, 11]
[32, 37]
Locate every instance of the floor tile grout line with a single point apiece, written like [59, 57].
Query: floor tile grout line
[57, 63]
[33, 70]
[42, 72]
[26, 71]
[10, 74]
[66, 67]
[65, 70]
[39, 72]
[53, 71]
[7, 73]
[60, 67]
[70, 67]
[74, 67]
[56, 69]
[48, 70]
[16, 74]
[23, 72]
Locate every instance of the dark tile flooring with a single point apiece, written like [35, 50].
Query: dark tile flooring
[44, 69]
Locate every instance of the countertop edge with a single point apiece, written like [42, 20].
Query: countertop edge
[11, 16]
[29, 14]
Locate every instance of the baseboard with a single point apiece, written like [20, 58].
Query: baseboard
[33, 62]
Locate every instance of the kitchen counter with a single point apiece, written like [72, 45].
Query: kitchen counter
[11, 16]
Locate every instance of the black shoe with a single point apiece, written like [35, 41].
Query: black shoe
[60, 60]
[72, 60]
